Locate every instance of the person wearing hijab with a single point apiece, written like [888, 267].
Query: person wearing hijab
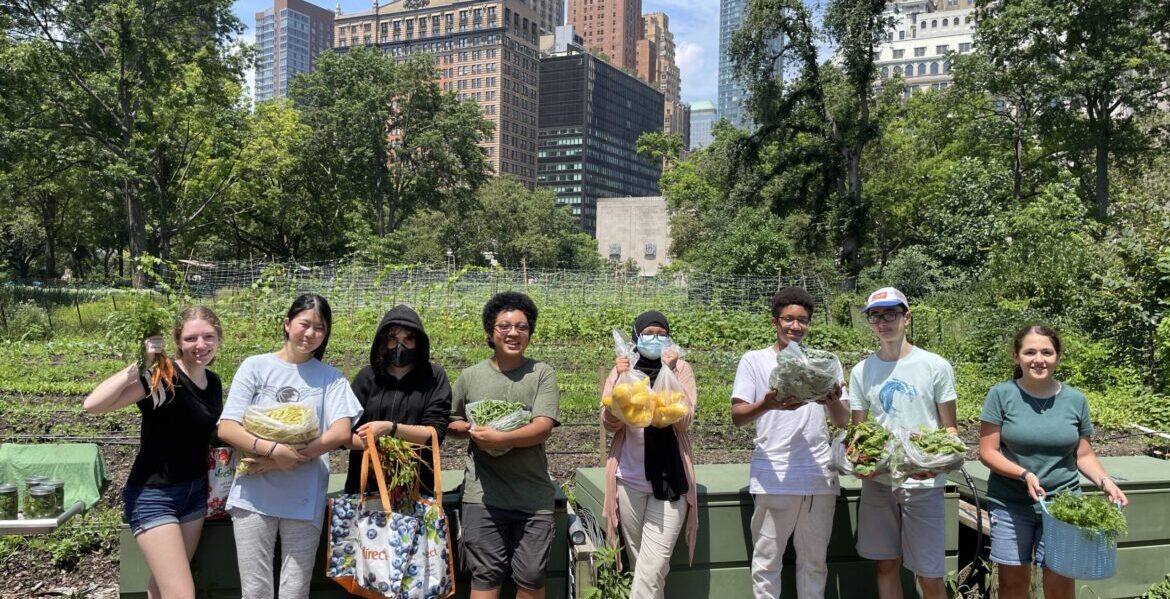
[402, 392]
[649, 476]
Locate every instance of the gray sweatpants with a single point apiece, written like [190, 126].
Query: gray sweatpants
[256, 540]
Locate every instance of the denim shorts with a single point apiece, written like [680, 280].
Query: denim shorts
[144, 508]
[1016, 537]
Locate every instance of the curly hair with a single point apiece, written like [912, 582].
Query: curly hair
[506, 302]
[788, 296]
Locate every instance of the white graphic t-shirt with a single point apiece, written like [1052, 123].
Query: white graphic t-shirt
[263, 380]
[903, 394]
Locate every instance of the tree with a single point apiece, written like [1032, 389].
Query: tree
[660, 147]
[1109, 63]
[113, 65]
[397, 142]
[816, 114]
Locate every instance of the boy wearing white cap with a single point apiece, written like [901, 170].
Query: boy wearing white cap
[903, 387]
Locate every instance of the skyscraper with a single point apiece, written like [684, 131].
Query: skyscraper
[591, 114]
[289, 36]
[609, 27]
[550, 14]
[665, 73]
[924, 35]
[731, 91]
[703, 119]
[484, 50]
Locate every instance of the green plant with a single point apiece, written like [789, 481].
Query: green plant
[611, 583]
[28, 321]
[1160, 590]
[1090, 514]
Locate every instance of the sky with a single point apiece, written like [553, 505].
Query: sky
[695, 24]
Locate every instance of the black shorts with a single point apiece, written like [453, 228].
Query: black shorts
[498, 541]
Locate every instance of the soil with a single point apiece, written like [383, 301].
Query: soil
[573, 445]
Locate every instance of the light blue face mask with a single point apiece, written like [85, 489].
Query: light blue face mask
[651, 346]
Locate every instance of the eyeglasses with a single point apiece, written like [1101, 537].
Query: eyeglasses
[886, 317]
[506, 327]
[788, 320]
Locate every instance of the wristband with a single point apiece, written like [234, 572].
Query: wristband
[1024, 475]
[271, 449]
[255, 440]
[393, 429]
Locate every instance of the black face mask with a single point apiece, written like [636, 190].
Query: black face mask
[401, 356]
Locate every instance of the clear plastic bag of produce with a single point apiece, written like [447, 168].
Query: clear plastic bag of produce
[631, 400]
[501, 415]
[288, 423]
[804, 373]
[926, 452]
[670, 404]
[862, 450]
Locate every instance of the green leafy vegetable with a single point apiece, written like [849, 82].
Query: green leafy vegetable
[803, 373]
[938, 442]
[866, 446]
[129, 328]
[1090, 514]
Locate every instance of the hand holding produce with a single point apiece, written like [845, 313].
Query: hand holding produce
[632, 402]
[500, 415]
[286, 423]
[927, 453]
[804, 373]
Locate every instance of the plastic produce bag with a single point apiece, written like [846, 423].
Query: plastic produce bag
[862, 449]
[503, 416]
[670, 404]
[804, 373]
[631, 400]
[926, 452]
[288, 423]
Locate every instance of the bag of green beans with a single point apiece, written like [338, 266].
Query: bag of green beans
[501, 415]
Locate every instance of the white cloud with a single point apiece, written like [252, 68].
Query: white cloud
[695, 25]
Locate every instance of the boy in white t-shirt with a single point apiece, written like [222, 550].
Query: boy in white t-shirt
[791, 481]
[902, 387]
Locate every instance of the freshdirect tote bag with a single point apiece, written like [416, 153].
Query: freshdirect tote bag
[430, 571]
[351, 546]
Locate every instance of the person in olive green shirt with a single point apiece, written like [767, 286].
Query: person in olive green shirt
[507, 499]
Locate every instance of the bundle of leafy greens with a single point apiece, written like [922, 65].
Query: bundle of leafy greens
[501, 415]
[938, 442]
[866, 447]
[804, 373]
[1092, 515]
[131, 327]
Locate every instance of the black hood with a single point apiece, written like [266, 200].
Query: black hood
[400, 315]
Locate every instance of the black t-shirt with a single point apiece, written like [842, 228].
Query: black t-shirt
[422, 397]
[175, 435]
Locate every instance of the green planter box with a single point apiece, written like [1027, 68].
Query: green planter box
[722, 566]
[1143, 556]
[216, 576]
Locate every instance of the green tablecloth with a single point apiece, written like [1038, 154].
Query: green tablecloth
[80, 465]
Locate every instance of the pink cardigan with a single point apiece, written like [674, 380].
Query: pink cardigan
[686, 377]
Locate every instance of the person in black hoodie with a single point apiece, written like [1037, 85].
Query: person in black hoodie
[402, 392]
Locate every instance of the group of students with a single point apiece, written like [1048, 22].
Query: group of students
[1035, 436]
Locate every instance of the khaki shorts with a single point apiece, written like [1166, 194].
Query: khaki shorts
[903, 523]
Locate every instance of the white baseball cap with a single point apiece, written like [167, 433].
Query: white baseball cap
[886, 297]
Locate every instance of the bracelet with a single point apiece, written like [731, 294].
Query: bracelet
[393, 429]
[271, 449]
[255, 440]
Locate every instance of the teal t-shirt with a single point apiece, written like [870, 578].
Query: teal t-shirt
[1038, 434]
[519, 479]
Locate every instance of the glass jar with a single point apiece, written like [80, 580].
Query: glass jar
[58, 492]
[29, 482]
[42, 503]
[9, 501]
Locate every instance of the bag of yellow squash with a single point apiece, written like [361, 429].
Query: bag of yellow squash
[633, 400]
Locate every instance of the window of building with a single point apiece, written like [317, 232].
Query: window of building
[899, 53]
[934, 68]
[885, 72]
[942, 49]
[909, 70]
[615, 251]
[964, 47]
[902, 34]
[946, 23]
[920, 51]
